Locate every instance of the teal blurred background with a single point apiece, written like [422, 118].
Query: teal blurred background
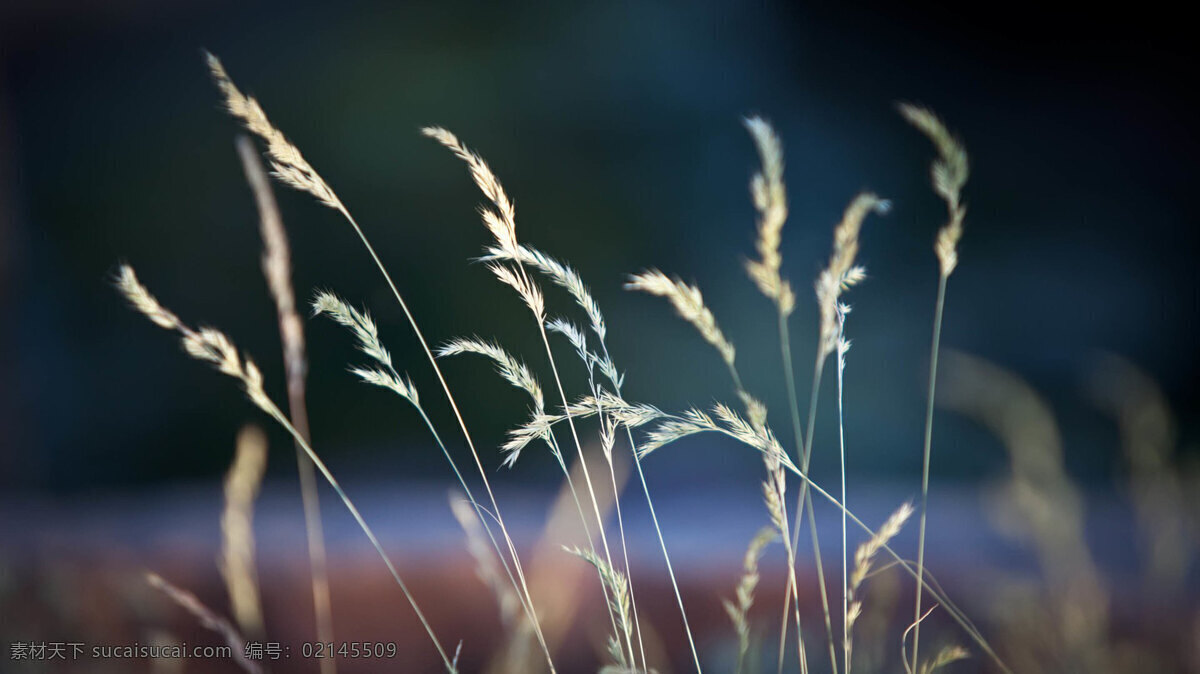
[616, 127]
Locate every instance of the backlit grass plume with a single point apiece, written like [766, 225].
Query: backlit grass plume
[949, 172]
[689, 304]
[212, 346]
[288, 165]
[500, 222]
[598, 406]
[842, 273]
[770, 200]
[367, 334]
[512, 370]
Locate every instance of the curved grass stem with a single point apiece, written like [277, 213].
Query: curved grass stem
[530, 611]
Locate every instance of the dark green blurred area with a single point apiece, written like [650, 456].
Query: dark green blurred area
[616, 128]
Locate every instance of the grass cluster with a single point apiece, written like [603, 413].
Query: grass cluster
[565, 423]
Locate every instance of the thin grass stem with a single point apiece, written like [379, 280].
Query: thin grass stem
[637, 464]
[277, 269]
[785, 347]
[529, 608]
[320, 465]
[933, 363]
[805, 501]
[842, 345]
[582, 460]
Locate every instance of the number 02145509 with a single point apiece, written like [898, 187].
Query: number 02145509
[348, 649]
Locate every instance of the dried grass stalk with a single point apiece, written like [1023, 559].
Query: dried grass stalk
[949, 172]
[739, 611]
[486, 561]
[841, 273]
[770, 200]
[188, 602]
[948, 654]
[237, 529]
[513, 371]
[689, 303]
[210, 345]
[277, 269]
[864, 556]
[619, 598]
[287, 164]
[502, 222]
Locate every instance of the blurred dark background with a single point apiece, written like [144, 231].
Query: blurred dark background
[616, 126]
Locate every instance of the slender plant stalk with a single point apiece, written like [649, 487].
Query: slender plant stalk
[840, 275]
[785, 347]
[527, 289]
[955, 613]
[314, 530]
[841, 366]
[516, 374]
[291, 168]
[637, 626]
[790, 550]
[612, 473]
[212, 346]
[689, 304]
[934, 591]
[208, 619]
[582, 460]
[529, 608]
[805, 500]
[949, 173]
[283, 421]
[910, 569]
[662, 544]
[769, 195]
[479, 511]
[591, 541]
[933, 363]
[502, 224]
[821, 584]
[366, 333]
[277, 269]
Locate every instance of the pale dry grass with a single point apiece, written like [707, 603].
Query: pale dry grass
[949, 173]
[287, 164]
[212, 346]
[739, 609]
[864, 558]
[501, 222]
[237, 566]
[770, 200]
[207, 618]
[277, 269]
[689, 304]
[291, 168]
[1042, 506]
[1149, 436]
[518, 266]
